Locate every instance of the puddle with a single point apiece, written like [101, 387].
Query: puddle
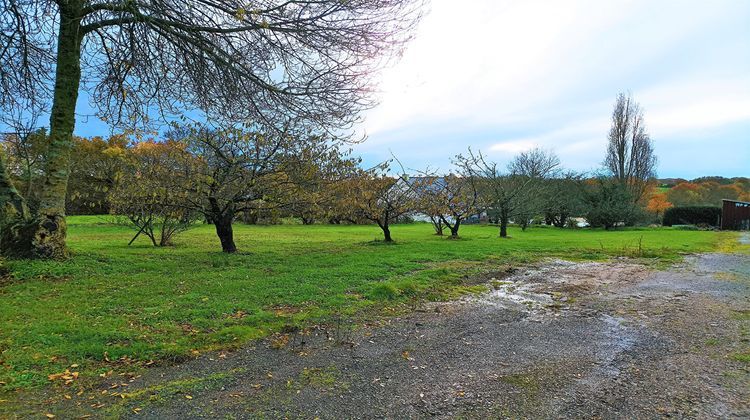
[517, 295]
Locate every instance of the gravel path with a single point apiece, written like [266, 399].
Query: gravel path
[562, 339]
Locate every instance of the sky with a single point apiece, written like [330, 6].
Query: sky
[504, 76]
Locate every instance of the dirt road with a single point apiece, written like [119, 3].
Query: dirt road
[561, 339]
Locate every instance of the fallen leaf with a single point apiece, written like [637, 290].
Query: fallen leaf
[190, 397]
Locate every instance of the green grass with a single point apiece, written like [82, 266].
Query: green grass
[113, 306]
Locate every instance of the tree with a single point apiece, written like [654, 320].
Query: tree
[95, 166]
[533, 168]
[609, 204]
[235, 170]
[503, 194]
[149, 194]
[267, 61]
[449, 199]
[686, 194]
[630, 155]
[12, 207]
[312, 194]
[428, 199]
[375, 196]
[707, 192]
[658, 204]
[562, 198]
[24, 153]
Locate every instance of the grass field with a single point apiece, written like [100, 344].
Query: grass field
[115, 307]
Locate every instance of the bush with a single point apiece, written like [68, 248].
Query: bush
[610, 204]
[695, 215]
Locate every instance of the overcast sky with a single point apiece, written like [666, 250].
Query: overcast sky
[505, 76]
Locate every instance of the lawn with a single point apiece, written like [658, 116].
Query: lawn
[113, 306]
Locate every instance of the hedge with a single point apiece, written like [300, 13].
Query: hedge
[696, 215]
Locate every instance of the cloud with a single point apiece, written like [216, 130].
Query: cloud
[506, 76]
[515, 146]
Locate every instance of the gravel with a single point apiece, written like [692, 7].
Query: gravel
[558, 340]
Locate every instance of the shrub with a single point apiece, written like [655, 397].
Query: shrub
[610, 204]
[694, 215]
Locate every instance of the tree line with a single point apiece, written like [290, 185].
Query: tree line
[203, 173]
[284, 82]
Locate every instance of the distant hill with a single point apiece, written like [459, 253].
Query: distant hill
[721, 180]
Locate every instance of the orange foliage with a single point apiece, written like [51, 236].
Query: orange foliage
[658, 203]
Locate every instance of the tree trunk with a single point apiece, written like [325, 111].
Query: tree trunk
[224, 232]
[47, 238]
[504, 224]
[437, 224]
[386, 232]
[454, 228]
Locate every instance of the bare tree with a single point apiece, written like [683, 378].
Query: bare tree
[260, 60]
[504, 194]
[630, 153]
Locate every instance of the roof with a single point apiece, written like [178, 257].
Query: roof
[735, 201]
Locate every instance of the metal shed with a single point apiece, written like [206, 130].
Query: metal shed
[735, 215]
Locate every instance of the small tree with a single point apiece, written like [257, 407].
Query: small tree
[149, 195]
[658, 204]
[25, 153]
[379, 198]
[96, 163]
[506, 195]
[239, 170]
[427, 199]
[312, 194]
[610, 204]
[562, 197]
[450, 200]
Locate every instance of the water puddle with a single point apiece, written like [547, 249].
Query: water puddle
[517, 295]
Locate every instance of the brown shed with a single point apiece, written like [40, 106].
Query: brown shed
[735, 215]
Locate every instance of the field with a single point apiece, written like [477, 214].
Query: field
[113, 307]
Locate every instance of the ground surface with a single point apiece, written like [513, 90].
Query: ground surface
[118, 330]
[560, 339]
[116, 307]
